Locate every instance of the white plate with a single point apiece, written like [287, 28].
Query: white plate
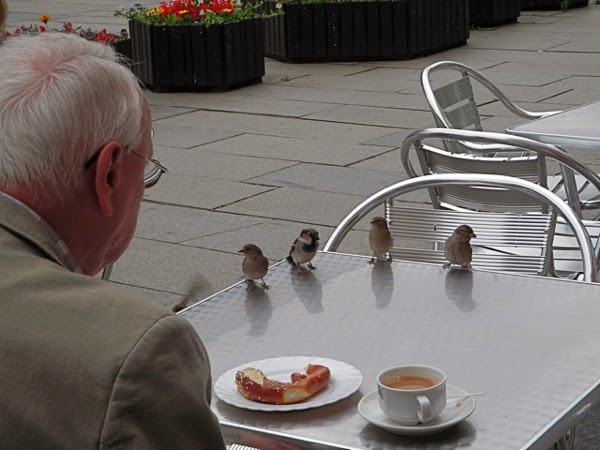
[345, 380]
[455, 411]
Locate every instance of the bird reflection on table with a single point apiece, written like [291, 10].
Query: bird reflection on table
[382, 283]
[259, 311]
[309, 291]
[459, 289]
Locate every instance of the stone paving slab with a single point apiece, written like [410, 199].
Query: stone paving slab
[200, 163]
[201, 192]
[187, 137]
[343, 180]
[182, 225]
[296, 149]
[298, 205]
[278, 126]
[385, 117]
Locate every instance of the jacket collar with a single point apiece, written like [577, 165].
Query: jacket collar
[29, 226]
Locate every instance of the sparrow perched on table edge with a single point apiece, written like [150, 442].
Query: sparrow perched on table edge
[457, 248]
[254, 266]
[380, 238]
[304, 249]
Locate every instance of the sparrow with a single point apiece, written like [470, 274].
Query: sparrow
[380, 238]
[304, 249]
[124, 34]
[457, 248]
[255, 266]
[193, 291]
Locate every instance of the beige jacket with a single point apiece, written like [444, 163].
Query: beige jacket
[85, 364]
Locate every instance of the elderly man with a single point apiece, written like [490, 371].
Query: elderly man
[84, 363]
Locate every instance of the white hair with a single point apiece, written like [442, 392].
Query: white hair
[61, 99]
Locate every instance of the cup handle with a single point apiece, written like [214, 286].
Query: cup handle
[424, 413]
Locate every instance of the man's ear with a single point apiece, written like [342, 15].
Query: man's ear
[109, 169]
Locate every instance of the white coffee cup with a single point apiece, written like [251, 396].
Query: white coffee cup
[412, 394]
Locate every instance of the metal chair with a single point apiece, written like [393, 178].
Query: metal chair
[434, 160]
[534, 235]
[454, 106]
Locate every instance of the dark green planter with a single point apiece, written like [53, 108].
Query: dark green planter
[529, 5]
[171, 58]
[491, 13]
[367, 30]
[123, 47]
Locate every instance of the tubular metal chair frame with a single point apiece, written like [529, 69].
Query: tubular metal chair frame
[454, 107]
[467, 115]
[427, 181]
[568, 164]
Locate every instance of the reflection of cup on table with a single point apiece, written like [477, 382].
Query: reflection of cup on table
[412, 394]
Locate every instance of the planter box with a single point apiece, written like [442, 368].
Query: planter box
[529, 5]
[123, 47]
[491, 13]
[170, 58]
[366, 30]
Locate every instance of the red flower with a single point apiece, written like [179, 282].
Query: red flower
[105, 36]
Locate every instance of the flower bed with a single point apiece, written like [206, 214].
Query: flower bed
[365, 30]
[529, 5]
[491, 13]
[120, 42]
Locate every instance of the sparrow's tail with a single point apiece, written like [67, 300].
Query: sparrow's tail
[197, 285]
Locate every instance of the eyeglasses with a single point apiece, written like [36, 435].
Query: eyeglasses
[152, 171]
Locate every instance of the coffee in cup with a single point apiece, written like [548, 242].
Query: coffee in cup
[412, 394]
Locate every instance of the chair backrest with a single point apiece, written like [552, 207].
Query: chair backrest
[474, 180]
[453, 104]
[434, 160]
[566, 257]
[517, 243]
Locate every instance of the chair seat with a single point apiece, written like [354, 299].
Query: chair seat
[565, 250]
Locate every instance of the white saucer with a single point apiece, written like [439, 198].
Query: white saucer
[455, 411]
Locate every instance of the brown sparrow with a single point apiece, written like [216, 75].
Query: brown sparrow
[380, 239]
[304, 249]
[255, 266]
[457, 248]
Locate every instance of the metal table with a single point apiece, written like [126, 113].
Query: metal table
[576, 127]
[573, 128]
[530, 343]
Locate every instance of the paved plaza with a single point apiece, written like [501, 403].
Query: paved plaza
[257, 164]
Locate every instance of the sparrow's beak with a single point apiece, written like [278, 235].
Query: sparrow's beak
[473, 235]
[241, 251]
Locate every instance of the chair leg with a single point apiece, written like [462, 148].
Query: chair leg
[567, 442]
